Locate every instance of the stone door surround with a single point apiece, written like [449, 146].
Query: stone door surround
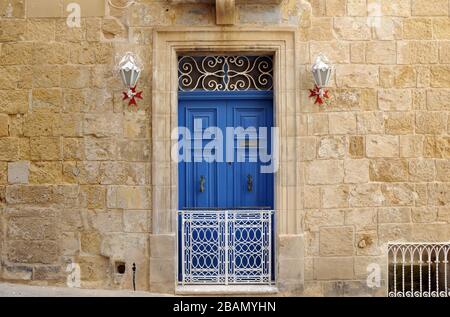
[167, 44]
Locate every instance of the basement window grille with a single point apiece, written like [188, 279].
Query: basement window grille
[418, 270]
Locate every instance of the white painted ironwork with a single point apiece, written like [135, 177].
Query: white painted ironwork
[225, 73]
[226, 246]
[418, 269]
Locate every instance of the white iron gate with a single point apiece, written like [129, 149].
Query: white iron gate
[226, 246]
[418, 269]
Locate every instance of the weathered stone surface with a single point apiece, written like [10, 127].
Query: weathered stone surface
[135, 220]
[382, 146]
[438, 194]
[401, 194]
[44, 252]
[440, 76]
[417, 52]
[430, 123]
[370, 122]
[129, 197]
[14, 101]
[331, 147]
[399, 123]
[100, 149]
[421, 170]
[438, 99]
[443, 170]
[356, 171]
[361, 218]
[365, 195]
[349, 28]
[381, 52]
[18, 172]
[356, 147]
[342, 123]
[324, 172]
[340, 268]
[388, 170]
[394, 99]
[441, 28]
[425, 214]
[27, 228]
[335, 196]
[394, 215]
[93, 197]
[430, 8]
[356, 76]
[417, 28]
[46, 148]
[10, 149]
[336, 241]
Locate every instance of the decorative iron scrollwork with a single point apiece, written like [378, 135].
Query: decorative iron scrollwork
[225, 73]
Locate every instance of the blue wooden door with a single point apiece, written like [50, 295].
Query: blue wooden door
[211, 183]
[235, 182]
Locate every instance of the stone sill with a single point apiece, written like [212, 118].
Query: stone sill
[226, 290]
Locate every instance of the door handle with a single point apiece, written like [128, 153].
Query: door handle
[249, 183]
[202, 184]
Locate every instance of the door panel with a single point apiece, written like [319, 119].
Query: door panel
[251, 188]
[200, 178]
[232, 185]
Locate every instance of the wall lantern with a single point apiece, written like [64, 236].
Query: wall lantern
[130, 70]
[321, 71]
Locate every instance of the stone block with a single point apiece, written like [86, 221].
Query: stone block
[331, 147]
[438, 99]
[90, 242]
[441, 28]
[394, 99]
[356, 171]
[399, 123]
[351, 28]
[336, 241]
[28, 228]
[394, 215]
[335, 196]
[100, 149]
[324, 172]
[44, 9]
[103, 125]
[430, 123]
[45, 173]
[430, 7]
[417, 29]
[440, 76]
[14, 101]
[18, 172]
[357, 76]
[135, 220]
[46, 148]
[381, 52]
[363, 219]
[388, 170]
[342, 123]
[162, 246]
[43, 252]
[417, 52]
[422, 170]
[370, 123]
[129, 197]
[400, 194]
[366, 195]
[356, 148]
[382, 146]
[333, 268]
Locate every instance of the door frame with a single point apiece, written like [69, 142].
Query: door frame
[228, 95]
[168, 43]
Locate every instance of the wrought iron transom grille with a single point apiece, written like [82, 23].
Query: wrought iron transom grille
[418, 270]
[226, 247]
[225, 73]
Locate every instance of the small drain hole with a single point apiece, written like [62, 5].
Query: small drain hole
[120, 267]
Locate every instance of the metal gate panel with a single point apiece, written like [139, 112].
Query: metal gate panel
[226, 247]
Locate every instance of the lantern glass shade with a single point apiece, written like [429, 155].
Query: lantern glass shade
[129, 77]
[129, 70]
[322, 77]
[321, 71]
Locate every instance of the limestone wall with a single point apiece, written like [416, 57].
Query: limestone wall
[75, 161]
